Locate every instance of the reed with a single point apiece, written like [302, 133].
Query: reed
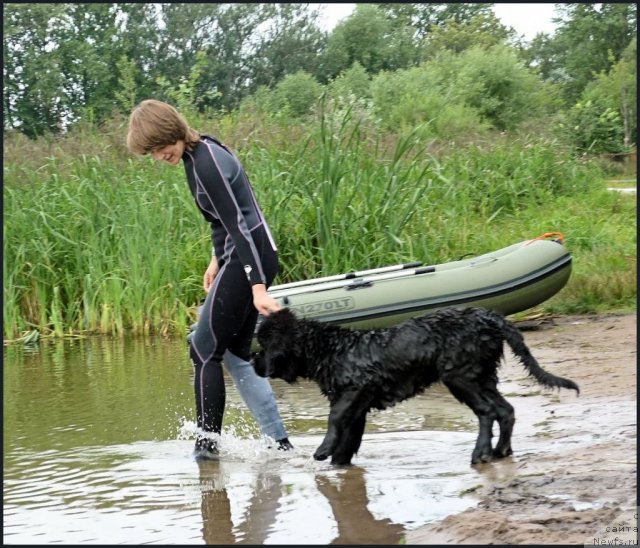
[103, 243]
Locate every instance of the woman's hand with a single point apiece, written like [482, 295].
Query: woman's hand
[210, 274]
[264, 303]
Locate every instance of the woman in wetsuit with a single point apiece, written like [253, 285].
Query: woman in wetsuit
[244, 262]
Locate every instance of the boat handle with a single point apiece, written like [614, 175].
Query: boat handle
[359, 284]
[485, 260]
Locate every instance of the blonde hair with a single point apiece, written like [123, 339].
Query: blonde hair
[154, 124]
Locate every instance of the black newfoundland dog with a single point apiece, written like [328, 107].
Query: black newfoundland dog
[360, 370]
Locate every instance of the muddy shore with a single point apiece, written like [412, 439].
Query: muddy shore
[572, 478]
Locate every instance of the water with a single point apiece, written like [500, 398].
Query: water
[98, 437]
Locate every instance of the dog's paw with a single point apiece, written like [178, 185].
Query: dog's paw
[341, 461]
[502, 452]
[481, 456]
[326, 448]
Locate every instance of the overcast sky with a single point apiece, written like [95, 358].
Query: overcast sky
[526, 19]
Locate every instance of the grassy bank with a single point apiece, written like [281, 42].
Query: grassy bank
[98, 242]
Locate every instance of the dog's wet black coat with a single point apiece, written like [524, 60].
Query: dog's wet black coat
[359, 370]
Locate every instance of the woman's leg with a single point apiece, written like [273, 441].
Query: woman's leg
[257, 395]
[209, 391]
[255, 390]
[206, 348]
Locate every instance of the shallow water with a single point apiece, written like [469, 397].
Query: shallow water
[97, 449]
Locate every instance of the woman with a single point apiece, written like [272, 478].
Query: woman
[244, 262]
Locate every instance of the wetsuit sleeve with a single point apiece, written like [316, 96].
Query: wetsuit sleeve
[226, 209]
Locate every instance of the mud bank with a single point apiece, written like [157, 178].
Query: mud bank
[572, 478]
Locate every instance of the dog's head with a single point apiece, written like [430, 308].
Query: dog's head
[280, 356]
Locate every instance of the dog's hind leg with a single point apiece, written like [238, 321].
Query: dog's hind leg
[506, 420]
[350, 440]
[471, 395]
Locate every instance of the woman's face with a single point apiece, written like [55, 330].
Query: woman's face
[170, 153]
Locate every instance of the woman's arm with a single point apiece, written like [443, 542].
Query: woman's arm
[264, 302]
[210, 273]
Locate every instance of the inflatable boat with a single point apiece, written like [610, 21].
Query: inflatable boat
[509, 280]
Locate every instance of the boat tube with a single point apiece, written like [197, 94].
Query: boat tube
[509, 280]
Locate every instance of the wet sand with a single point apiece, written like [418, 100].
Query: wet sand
[572, 478]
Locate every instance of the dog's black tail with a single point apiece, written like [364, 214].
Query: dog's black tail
[516, 341]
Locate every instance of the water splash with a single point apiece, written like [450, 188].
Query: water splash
[233, 443]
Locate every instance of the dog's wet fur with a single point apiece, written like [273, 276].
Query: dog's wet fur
[359, 370]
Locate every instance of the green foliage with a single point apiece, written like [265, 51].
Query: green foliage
[612, 123]
[185, 95]
[595, 127]
[499, 86]
[604, 119]
[366, 37]
[289, 44]
[425, 18]
[32, 68]
[408, 98]
[296, 94]
[589, 38]
[127, 89]
[68, 64]
[100, 261]
[64, 61]
[353, 82]
[483, 30]
[458, 93]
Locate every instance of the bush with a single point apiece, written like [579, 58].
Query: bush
[407, 98]
[595, 127]
[297, 94]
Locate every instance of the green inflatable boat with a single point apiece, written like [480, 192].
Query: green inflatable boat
[508, 280]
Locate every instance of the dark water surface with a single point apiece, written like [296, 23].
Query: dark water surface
[98, 437]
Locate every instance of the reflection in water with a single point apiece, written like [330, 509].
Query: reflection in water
[349, 504]
[260, 515]
[346, 494]
[217, 525]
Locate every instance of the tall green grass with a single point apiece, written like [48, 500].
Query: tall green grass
[98, 242]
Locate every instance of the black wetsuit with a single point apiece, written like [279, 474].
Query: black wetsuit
[246, 255]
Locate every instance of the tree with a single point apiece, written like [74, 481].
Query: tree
[32, 72]
[368, 37]
[482, 30]
[63, 63]
[291, 42]
[137, 40]
[589, 39]
[87, 58]
[604, 119]
[428, 96]
[424, 17]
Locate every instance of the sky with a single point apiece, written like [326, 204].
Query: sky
[526, 19]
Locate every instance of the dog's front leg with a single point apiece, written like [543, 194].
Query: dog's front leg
[352, 403]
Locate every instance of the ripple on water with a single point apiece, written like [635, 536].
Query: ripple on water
[154, 492]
